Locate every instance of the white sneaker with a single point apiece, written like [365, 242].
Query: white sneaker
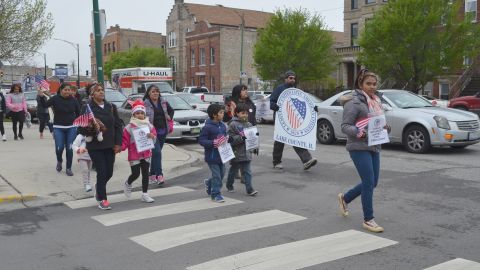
[146, 198]
[127, 189]
[278, 166]
[88, 188]
[4, 137]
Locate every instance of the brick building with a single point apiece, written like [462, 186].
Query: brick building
[120, 39]
[358, 12]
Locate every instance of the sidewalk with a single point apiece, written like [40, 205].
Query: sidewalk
[28, 176]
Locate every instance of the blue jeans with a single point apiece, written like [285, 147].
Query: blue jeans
[218, 171]
[156, 165]
[246, 172]
[64, 138]
[368, 166]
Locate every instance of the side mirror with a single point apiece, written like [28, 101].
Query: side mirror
[386, 107]
[194, 107]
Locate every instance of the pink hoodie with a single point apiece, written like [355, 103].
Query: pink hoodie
[128, 142]
[16, 107]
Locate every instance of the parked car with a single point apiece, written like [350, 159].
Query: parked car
[415, 122]
[31, 99]
[115, 97]
[436, 101]
[187, 122]
[195, 90]
[195, 101]
[265, 114]
[466, 103]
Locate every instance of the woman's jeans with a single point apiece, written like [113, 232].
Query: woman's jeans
[103, 160]
[368, 166]
[246, 172]
[156, 166]
[2, 128]
[64, 138]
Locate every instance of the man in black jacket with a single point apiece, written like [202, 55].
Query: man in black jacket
[305, 156]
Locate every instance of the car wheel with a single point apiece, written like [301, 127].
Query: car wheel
[416, 140]
[463, 108]
[459, 146]
[325, 134]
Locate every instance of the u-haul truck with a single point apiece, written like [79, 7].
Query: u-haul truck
[137, 80]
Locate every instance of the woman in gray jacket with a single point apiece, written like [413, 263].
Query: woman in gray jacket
[364, 102]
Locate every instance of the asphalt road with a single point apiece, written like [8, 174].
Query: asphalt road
[428, 205]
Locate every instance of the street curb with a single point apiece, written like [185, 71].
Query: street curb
[192, 158]
[17, 197]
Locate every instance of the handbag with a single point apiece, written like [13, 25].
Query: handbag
[167, 117]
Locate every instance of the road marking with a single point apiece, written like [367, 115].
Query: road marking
[161, 210]
[173, 237]
[121, 197]
[457, 264]
[300, 254]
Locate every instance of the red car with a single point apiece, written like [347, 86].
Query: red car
[467, 103]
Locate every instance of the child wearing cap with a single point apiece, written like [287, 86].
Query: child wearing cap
[139, 161]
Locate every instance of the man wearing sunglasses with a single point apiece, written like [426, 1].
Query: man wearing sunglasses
[304, 154]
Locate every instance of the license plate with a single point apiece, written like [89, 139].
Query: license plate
[472, 136]
[195, 130]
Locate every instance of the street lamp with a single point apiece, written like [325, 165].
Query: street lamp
[77, 47]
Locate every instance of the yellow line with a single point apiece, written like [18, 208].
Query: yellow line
[17, 197]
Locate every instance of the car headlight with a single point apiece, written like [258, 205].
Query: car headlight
[442, 122]
[31, 106]
[175, 123]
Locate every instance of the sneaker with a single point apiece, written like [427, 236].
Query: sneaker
[152, 179]
[252, 193]
[4, 137]
[208, 187]
[160, 180]
[127, 189]
[104, 205]
[69, 172]
[372, 226]
[20, 136]
[59, 167]
[218, 199]
[307, 165]
[278, 166]
[146, 198]
[231, 190]
[88, 188]
[343, 205]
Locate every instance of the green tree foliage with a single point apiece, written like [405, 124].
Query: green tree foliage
[136, 57]
[412, 41]
[24, 27]
[297, 40]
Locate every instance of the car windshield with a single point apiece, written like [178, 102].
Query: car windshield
[191, 98]
[114, 96]
[30, 95]
[406, 100]
[177, 103]
[198, 90]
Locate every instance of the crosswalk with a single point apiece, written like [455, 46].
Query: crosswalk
[288, 256]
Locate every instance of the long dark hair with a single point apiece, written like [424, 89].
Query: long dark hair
[147, 93]
[12, 88]
[62, 86]
[237, 89]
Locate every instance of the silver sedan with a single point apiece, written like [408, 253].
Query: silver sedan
[415, 122]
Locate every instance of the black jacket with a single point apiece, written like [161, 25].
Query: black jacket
[252, 111]
[65, 109]
[3, 104]
[276, 94]
[109, 117]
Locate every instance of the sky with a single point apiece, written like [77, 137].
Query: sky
[73, 21]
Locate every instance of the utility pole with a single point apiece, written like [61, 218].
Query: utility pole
[45, 66]
[98, 41]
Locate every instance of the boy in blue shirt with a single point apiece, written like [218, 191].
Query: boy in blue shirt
[213, 134]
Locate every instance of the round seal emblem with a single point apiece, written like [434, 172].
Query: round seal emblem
[296, 114]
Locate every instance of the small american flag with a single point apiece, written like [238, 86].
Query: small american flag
[361, 124]
[82, 120]
[41, 83]
[296, 112]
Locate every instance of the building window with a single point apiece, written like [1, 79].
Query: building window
[212, 56]
[354, 34]
[105, 48]
[172, 39]
[202, 80]
[202, 56]
[173, 63]
[471, 9]
[109, 49]
[444, 90]
[193, 81]
[212, 83]
[370, 1]
[192, 57]
[354, 4]
[113, 46]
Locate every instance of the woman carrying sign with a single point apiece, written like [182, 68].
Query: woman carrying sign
[364, 102]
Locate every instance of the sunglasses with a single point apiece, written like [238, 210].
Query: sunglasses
[291, 78]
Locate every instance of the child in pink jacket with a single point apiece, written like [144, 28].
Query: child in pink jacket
[139, 161]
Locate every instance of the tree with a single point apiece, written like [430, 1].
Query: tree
[297, 40]
[413, 41]
[24, 26]
[137, 57]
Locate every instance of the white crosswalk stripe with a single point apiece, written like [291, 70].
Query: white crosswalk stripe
[306, 253]
[161, 210]
[89, 202]
[456, 264]
[169, 238]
